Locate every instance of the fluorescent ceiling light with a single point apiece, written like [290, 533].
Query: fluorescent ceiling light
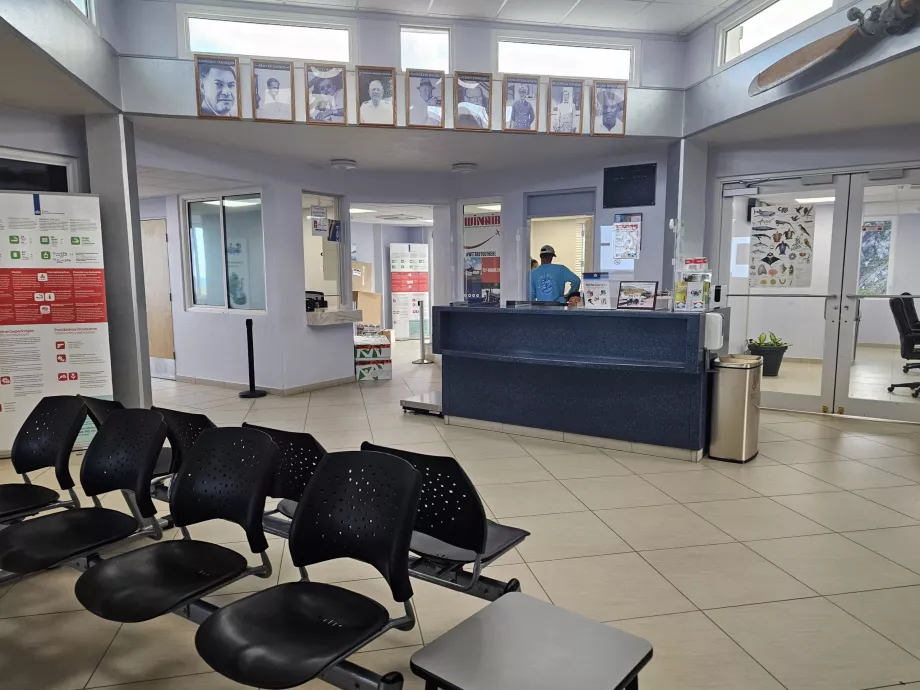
[491, 207]
[354, 210]
[816, 200]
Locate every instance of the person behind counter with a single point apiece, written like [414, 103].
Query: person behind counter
[548, 280]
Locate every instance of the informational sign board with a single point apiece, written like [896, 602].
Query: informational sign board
[598, 290]
[482, 257]
[54, 334]
[409, 287]
[320, 220]
[782, 246]
[627, 235]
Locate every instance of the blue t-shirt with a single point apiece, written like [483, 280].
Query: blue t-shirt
[547, 283]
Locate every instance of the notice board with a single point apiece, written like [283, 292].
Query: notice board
[408, 287]
[629, 186]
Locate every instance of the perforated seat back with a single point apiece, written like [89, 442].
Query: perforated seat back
[123, 454]
[450, 508]
[99, 409]
[47, 436]
[300, 456]
[360, 505]
[226, 476]
[182, 430]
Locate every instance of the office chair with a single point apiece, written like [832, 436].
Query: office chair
[910, 339]
[911, 310]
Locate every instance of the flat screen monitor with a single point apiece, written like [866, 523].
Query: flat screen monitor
[630, 186]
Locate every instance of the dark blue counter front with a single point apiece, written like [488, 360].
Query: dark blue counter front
[628, 375]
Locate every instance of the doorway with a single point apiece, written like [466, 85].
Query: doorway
[159, 299]
[572, 237]
[815, 261]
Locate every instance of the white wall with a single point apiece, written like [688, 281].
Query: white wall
[362, 238]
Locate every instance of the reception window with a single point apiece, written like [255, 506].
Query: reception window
[520, 56]
[226, 253]
[267, 38]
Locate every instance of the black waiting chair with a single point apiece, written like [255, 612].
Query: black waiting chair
[120, 457]
[226, 476]
[182, 430]
[45, 440]
[452, 531]
[911, 310]
[910, 340]
[359, 505]
[300, 456]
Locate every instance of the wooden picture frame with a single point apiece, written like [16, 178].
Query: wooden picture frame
[511, 81]
[615, 84]
[565, 82]
[375, 74]
[317, 67]
[422, 74]
[211, 110]
[646, 286]
[274, 66]
[459, 77]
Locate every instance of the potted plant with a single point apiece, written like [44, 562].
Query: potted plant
[771, 349]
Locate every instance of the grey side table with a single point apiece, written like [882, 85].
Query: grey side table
[522, 643]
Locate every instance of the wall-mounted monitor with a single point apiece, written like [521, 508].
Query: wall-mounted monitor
[630, 186]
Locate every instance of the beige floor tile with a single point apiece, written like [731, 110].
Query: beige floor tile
[505, 470]
[256, 584]
[804, 431]
[484, 450]
[220, 532]
[201, 681]
[898, 544]
[691, 653]
[844, 512]
[440, 448]
[529, 498]
[161, 648]
[662, 527]
[451, 433]
[568, 535]
[276, 402]
[279, 424]
[796, 452]
[892, 612]
[379, 591]
[907, 466]
[234, 417]
[811, 644]
[904, 499]
[539, 447]
[313, 426]
[387, 409]
[581, 466]
[767, 434]
[759, 461]
[48, 592]
[342, 440]
[832, 564]
[225, 405]
[857, 448]
[756, 518]
[725, 575]
[53, 652]
[335, 571]
[707, 485]
[416, 434]
[599, 493]
[651, 464]
[774, 417]
[851, 474]
[548, 434]
[607, 588]
[775, 480]
[285, 413]
[318, 410]
[400, 421]
[909, 443]
[382, 661]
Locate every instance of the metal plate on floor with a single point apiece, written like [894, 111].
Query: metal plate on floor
[427, 403]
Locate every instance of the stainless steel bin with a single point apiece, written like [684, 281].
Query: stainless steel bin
[735, 416]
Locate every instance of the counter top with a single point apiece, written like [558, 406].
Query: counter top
[336, 317]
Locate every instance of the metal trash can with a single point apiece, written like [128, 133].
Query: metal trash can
[735, 415]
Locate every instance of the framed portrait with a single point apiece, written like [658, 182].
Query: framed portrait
[565, 100]
[638, 295]
[327, 98]
[218, 86]
[522, 103]
[376, 96]
[473, 101]
[609, 104]
[272, 91]
[425, 99]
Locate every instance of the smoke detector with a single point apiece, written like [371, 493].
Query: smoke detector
[464, 168]
[343, 163]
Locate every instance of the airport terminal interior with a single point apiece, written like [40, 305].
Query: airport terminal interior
[459, 344]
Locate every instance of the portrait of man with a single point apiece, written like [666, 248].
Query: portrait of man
[376, 89]
[565, 99]
[522, 96]
[425, 98]
[218, 87]
[271, 90]
[609, 108]
[326, 94]
[473, 101]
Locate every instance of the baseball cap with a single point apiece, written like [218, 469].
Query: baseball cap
[547, 249]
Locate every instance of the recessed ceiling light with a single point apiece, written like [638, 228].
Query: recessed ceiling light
[463, 168]
[816, 200]
[355, 211]
[343, 163]
[490, 207]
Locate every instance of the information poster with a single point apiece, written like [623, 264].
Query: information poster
[320, 220]
[627, 235]
[408, 288]
[782, 246]
[54, 335]
[598, 291]
[482, 252]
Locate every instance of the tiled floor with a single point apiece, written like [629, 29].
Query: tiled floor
[799, 570]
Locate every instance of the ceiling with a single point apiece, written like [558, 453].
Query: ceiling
[659, 16]
[392, 214]
[159, 182]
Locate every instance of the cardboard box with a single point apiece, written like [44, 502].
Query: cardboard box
[362, 276]
[372, 348]
[371, 306]
[379, 370]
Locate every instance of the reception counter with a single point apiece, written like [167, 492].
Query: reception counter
[637, 377]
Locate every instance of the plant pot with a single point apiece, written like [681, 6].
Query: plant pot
[772, 358]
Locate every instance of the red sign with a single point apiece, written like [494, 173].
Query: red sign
[73, 376]
[60, 345]
[5, 380]
[52, 296]
[62, 358]
[62, 377]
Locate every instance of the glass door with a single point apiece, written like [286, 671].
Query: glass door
[785, 244]
[882, 259]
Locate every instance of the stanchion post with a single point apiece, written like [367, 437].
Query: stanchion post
[423, 357]
[252, 392]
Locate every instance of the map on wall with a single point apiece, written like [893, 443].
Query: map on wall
[782, 246]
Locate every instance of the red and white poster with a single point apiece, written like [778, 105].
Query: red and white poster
[409, 287]
[54, 333]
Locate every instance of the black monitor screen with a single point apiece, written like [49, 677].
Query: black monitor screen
[628, 186]
[24, 176]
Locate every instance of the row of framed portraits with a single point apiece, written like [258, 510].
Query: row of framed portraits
[219, 96]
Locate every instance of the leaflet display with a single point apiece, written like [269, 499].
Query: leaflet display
[54, 335]
[482, 257]
[409, 287]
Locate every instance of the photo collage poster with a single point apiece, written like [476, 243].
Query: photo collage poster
[482, 262]
[54, 331]
[782, 246]
[409, 288]
[627, 235]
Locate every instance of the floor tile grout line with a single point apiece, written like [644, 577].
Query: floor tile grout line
[104, 654]
[877, 632]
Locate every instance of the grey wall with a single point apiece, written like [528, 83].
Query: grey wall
[362, 236]
[28, 130]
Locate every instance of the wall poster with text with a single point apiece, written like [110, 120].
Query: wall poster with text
[482, 257]
[54, 334]
[409, 289]
[782, 246]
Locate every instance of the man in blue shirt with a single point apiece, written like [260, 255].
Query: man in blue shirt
[547, 281]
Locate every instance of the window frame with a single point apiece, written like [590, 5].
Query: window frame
[74, 183]
[90, 16]
[430, 28]
[185, 12]
[634, 46]
[188, 291]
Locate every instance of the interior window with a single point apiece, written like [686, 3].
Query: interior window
[533, 57]
[265, 39]
[425, 48]
[769, 23]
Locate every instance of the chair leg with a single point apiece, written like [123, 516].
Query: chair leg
[349, 676]
[633, 684]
